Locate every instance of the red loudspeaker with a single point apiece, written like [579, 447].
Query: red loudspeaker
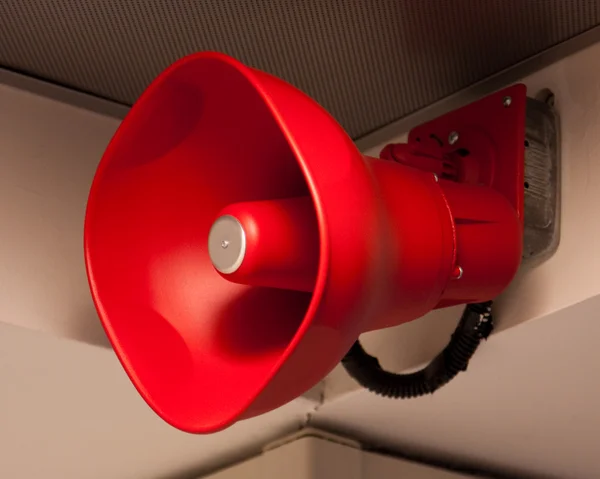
[237, 242]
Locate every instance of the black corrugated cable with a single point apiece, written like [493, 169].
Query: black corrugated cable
[475, 325]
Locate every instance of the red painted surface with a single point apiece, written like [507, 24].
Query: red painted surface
[343, 243]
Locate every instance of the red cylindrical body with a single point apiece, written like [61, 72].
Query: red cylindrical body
[488, 242]
[420, 242]
[282, 243]
[447, 242]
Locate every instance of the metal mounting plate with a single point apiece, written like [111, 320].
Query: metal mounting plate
[542, 181]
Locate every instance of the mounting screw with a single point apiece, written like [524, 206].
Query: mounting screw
[507, 101]
[458, 272]
[453, 137]
[547, 96]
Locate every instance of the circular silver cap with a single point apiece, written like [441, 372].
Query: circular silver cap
[227, 244]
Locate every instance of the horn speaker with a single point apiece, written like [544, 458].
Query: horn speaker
[237, 242]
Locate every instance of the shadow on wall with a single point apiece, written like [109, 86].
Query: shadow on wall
[86, 326]
[416, 343]
[401, 349]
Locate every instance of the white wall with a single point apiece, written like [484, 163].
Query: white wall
[527, 405]
[317, 458]
[68, 411]
[48, 154]
[376, 466]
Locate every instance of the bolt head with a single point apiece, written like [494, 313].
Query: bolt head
[453, 137]
[507, 101]
[458, 272]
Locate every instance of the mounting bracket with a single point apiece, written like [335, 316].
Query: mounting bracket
[505, 141]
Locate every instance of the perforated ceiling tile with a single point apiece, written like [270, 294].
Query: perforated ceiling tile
[369, 62]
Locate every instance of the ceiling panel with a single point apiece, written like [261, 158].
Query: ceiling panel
[369, 62]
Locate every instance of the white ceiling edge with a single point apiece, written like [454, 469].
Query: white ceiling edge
[68, 410]
[323, 457]
[572, 275]
[63, 94]
[526, 407]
